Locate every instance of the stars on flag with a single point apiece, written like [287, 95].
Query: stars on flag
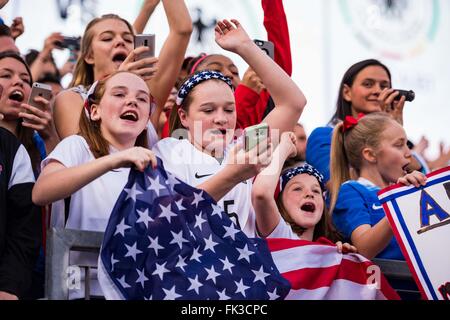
[188, 249]
[121, 228]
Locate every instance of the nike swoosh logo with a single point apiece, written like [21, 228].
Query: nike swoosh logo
[198, 176]
[374, 207]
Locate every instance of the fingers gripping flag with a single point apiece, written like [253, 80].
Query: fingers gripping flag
[168, 240]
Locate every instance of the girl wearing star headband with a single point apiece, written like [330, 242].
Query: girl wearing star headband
[92, 168]
[33, 126]
[299, 210]
[368, 153]
[205, 116]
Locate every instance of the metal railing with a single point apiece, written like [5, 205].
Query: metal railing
[59, 243]
[394, 269]
[400, 278]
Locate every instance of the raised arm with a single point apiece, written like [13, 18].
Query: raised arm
[288, 98]
[265, 184]
[171, 55]
[251, 100]
[277, 29]
[144, 15]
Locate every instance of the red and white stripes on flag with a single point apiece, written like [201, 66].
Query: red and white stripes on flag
[316, 271]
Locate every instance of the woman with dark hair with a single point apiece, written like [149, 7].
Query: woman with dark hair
[345, 106]
[20, 221]
[33, 126]
[366, 87]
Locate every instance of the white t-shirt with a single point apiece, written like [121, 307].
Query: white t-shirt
[90, 207]
[22, 171]
[194, 167]
[104, 190]
[283, 230]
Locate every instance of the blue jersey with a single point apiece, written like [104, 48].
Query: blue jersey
[358, 204]
[318, 147]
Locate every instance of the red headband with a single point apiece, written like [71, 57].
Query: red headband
[350, 122]
[204, 56]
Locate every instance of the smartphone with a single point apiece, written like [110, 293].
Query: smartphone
[146, 40]
[266, 46]
[72, 43]
[39, 90]
[409, 95]
[254, 135]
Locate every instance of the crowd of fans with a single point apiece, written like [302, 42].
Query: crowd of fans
[65, 160]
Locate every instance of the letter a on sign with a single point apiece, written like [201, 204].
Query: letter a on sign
[429, 207]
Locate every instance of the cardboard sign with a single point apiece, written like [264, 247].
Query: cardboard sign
[420, 219]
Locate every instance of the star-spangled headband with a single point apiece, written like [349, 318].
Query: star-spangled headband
[90, 95]
[306, 168]
[198, 78]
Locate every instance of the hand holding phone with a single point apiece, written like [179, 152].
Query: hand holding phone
[145, 40]
[254, 135]
[38, 90]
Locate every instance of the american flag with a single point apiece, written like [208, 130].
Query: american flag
[166, 240]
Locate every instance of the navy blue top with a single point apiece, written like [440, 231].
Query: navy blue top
[318, 149]
[358, 204]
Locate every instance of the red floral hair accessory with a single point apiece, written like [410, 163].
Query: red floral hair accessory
[350, 122]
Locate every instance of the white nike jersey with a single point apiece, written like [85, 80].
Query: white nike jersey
[194, 167]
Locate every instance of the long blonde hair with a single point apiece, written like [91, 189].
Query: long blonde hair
[347, 147]
[84, 72]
